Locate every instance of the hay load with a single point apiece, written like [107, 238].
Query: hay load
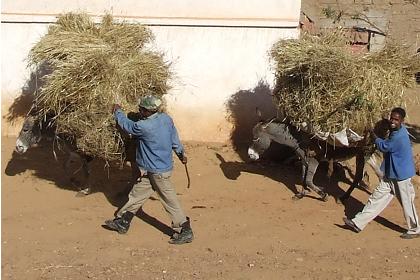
[325, 89]
[93, 66]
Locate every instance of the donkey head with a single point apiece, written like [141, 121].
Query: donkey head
[382, 128]
[29, 135]
[260, 142]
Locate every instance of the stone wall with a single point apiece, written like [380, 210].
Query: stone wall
[399, 19]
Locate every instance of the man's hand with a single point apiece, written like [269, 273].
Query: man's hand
[372, 134]
[183, 158]
[115, 107]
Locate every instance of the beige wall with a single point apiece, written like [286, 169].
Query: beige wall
[218, 50]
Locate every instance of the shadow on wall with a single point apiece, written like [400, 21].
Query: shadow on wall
[23, 103]
[241, 108]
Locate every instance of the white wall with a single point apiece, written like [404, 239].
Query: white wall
[211, 65]
[217, 49]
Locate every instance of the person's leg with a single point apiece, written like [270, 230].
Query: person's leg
[138, 195]
[406, 195]
[167, 194]
[376, 203]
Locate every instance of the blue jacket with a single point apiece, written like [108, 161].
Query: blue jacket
[398, 156]
[157, 138]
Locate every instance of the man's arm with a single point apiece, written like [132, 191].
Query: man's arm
[126, 124]
[388, 145]
[177, 146]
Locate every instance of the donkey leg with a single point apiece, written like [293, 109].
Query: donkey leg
[84, 169]
[86, 172]
[303, 192]
[300, 195]
[360, 165]
[312, 167]
[71, 161]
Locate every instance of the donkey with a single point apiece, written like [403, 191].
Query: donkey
[34, 130]
[312, 151]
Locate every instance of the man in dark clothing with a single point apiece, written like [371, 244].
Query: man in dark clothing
[398, 167]
[157, 137]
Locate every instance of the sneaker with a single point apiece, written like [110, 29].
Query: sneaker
[185, 236]
[118, 224]
[351, 224]
[409, 235]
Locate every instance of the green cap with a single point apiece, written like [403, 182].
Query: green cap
[150, 102]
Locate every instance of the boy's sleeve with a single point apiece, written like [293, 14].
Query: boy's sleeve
[388, 145]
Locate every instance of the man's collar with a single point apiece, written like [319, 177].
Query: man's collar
[396, 130]
[152, 116]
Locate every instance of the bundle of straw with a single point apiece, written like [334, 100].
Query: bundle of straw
[320, 83]
[92, 67]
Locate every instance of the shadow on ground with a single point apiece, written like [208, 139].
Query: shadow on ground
[114, 181]
[47, 162]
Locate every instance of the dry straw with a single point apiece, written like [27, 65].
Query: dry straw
[320, 82]
[92, 67]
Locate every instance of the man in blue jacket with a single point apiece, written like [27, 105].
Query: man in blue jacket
[157, 137]
[398, 167]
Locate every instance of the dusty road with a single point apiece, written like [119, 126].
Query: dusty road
[246, 225]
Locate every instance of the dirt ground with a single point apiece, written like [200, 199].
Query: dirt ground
[245, 223]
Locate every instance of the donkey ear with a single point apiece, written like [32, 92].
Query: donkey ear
[258, 113]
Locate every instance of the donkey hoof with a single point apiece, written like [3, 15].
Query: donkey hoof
[324, 197]
[83, 193]
[298, 196]
[338, 200]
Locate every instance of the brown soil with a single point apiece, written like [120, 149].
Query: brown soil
[246, 225]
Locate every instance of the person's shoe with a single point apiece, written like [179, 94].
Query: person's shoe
[185, 236]
[409, 235]
[120, 224]
[351, 224]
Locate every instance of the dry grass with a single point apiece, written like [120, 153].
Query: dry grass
[321, 83]
[94, 66]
